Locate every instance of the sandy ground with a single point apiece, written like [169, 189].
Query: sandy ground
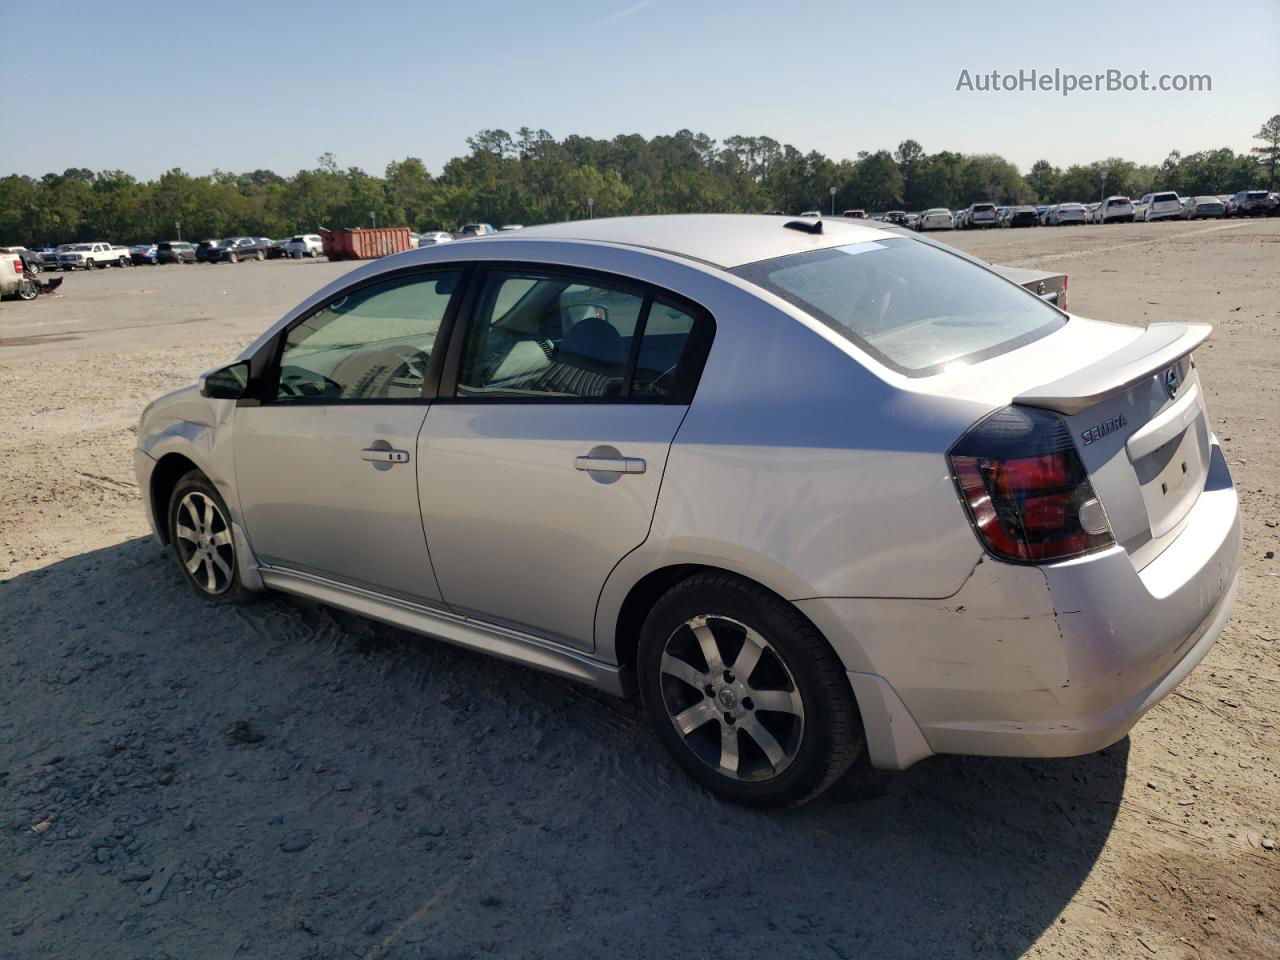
[284, 780]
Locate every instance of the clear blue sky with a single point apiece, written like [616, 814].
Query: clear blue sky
[240, 85]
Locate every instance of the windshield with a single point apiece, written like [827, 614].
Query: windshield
[916, 307]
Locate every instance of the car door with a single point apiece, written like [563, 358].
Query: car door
[539, 466]
[325, 459]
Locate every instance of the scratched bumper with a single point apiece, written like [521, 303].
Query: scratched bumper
[1056, 660]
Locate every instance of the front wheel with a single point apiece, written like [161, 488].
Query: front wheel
[203, 542]
[745, 693]
[232, 258]
[260, 256]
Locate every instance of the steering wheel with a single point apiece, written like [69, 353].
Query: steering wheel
[384, 367]
[301, 383]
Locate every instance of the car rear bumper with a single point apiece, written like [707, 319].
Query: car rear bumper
[1046, 661]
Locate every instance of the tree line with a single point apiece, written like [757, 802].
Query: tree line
[531, 177]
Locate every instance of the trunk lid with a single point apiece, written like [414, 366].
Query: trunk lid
[1139, 438]
[1138, 419]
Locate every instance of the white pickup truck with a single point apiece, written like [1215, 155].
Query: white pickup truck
[14, 281]
[83, 256]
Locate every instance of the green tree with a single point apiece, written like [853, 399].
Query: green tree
[1269, 153]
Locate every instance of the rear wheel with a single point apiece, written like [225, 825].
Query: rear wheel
[28, 289]
[745, 693]
[233, 258]
[203, 542]
[260, 256]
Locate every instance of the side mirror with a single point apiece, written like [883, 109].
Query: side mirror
[226, 383]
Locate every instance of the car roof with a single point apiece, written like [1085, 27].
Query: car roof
[720, 239]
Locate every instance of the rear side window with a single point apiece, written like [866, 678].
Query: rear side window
[914, 307]
[545, 337]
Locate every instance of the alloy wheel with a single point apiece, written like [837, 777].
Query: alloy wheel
[731, 698]
[204, 542]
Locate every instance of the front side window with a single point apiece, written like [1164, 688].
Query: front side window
[374, 343]
[913, 306]
[538, 336]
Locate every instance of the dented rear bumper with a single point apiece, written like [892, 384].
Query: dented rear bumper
[1057, 660]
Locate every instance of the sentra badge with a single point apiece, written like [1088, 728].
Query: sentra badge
[1110, 425]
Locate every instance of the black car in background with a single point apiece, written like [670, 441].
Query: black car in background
[204, 246]
[239, 248]
[898, 217]
[175, 251]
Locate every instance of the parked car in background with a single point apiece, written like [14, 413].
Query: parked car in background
[204, 247]
[32, 260]
[240, 248]
[14, 281]
[175, 251]
[433, 237]
[508, 227]
[1251, 203]
[86, 256]
[777, 620]
[1158, 206]
[898, 217]
[124, 255]
[1203, 208]
[487, 229]
[1115, 210]
[305, 245]
[144, 253]
[913, 221]
[1020, 217]
[1041, 212]
[854, 214]
[936, 218]
[980, 215]
[278, 249]
[804, 213]
[1063, 214]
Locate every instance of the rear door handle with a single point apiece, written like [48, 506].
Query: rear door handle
[610, 464]
[384, 455]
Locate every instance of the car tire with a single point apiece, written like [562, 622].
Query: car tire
[203, 544]
[711, 719]
[233, 258]
[28, 289]
[259, 256]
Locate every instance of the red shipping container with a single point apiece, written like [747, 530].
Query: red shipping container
[362, 243]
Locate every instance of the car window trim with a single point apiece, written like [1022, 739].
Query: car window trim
[264, 365]
[688, 373]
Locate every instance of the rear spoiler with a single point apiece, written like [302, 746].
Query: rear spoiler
[1157, 347]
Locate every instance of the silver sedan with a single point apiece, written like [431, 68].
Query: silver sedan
[809, 489]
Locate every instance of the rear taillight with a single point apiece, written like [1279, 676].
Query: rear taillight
[1026, 490]
[17, 266]
[1065, 280]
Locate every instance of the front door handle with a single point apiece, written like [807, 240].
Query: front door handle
[384, 455]
[610, 464]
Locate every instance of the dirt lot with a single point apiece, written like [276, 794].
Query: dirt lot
[286, 781]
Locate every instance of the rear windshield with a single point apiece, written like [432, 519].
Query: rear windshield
[915, 307]
[1257, 195]
[1117, 203]
[983, 207]
[1162, 197]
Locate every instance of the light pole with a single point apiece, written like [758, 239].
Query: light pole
[833, 201]
[591, 203]
[374, 217]
[177, 225]
[1102, 186]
